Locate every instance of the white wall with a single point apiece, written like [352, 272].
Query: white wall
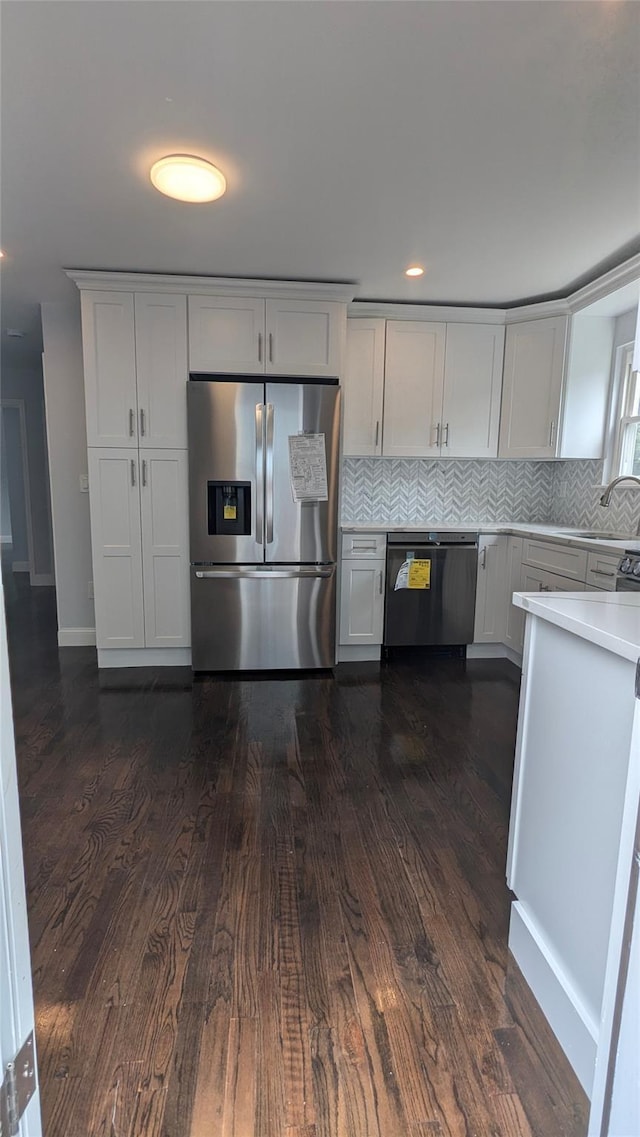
[67, 439]
[25, 383]
[13, 488]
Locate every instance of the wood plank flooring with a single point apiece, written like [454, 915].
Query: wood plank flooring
[275, 907]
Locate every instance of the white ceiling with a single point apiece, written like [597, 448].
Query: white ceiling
[497, 143]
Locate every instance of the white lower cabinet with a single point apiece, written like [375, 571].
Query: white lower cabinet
[491, 590]
[362, 601]
[139, 533]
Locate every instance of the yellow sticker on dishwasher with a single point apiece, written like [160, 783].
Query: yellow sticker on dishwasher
[419, 574]
[230, 513]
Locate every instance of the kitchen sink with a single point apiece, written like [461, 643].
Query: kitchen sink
[600, 536]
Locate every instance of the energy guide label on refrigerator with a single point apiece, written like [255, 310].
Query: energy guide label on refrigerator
[308, 467]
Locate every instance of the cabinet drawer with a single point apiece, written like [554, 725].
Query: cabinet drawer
[560, 559]
[363, 545]
[601, 571]
[538, 580]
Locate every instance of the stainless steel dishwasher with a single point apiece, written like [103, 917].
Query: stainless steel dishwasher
[435, 603]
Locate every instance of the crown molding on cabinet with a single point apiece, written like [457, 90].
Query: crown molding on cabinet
[537, 311]
[438, 313]
[105, 281]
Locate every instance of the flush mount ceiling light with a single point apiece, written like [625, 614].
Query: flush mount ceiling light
[414, 270]
[188, 178]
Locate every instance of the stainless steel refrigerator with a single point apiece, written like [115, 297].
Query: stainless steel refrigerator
[263, 510]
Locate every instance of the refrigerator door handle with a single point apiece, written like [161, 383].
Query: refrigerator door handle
[259, 473]
[265, 574]
[269, 475]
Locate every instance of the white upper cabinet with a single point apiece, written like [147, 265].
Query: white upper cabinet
[109, 350]
[254, 336]
[363, 387]
[531, 401]
[472, 389]
[304, 337]
[414, 379]
[135, 369]
[227, 334]
[162, 371]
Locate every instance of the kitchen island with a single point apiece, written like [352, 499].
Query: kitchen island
[573, 814]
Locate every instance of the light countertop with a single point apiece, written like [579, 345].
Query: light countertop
[609, 619]
[564, 534]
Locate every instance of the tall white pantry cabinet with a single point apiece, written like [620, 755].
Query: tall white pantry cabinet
[136, 368]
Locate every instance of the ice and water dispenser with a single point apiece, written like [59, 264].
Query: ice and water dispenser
[229, 508]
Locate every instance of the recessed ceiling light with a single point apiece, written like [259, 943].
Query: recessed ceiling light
[188, 178]
[414, 270]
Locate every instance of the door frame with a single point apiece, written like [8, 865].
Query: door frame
[19, 406]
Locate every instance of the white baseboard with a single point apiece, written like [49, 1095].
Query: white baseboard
[144, 657]
[45, 579]
[569, 1020]
[76, 637]
[359, 653]
[20, 566]
[494, 651]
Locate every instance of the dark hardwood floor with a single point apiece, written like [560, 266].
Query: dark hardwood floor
[275, 907]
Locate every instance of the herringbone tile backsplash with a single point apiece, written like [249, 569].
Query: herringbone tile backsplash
[399, 491]
[576, 499]
[409, 490]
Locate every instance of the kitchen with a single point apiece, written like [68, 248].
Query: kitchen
[399, 481]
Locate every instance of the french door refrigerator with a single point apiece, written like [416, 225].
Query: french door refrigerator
[263, 511]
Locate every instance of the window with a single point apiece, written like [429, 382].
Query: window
[627, 446]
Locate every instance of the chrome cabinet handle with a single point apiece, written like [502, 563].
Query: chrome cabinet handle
[377, 432]
[600, 572]
[131, 422]
[438, 435]
[259, 473]
[446, 435]
[483, 558]
[269, 474]
[133, 472]
[552, 430]
[259, 347]
[380, 582]
[142, 426]
[144, 471]
[270, 347]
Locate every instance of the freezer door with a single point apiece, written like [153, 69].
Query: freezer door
[252, 618]
[226, 469]
[300, 531]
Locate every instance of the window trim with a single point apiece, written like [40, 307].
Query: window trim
[620, 418]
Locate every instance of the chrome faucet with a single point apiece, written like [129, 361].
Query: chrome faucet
[606, 497]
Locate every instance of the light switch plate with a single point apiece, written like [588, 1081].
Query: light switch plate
[84, 483]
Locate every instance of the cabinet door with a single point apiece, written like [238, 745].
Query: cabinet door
[109, 351]
[472, 389]
[514, 617]
[304, 337]
[363, 387]
[362, 602]
[165, 547]
[226, 334]
[533, 371]
[162, 369]
[414, 377]
[490, 610]
[117, 553]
